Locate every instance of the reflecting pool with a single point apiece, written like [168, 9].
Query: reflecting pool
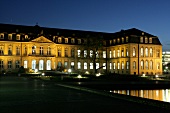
[160, 94]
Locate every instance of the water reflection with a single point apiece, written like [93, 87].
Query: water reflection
[161, 94]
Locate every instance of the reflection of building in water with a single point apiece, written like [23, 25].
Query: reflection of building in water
[161, 95]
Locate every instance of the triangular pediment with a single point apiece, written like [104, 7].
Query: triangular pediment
[41, 39]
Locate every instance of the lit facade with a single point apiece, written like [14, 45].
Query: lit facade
[126, 52]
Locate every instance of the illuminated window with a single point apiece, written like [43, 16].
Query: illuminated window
[118, 65]
[122, 40]
[26, 36]
[17, 37]
[151, 64]
[78, 53]
[65, 64]
[79, 65]
[72, 52]
[25, 50]
[72, 65]
[66, 40]
[48, 50]
[72, 40]
[110, 42]
[146, 52]
[142, 64]
[59, 40]
[123, 65]
[41, 64]
[9, 36]
[25, 64]
[41, 50]
[91, 65]
[127, 65]
[59, 65]
[146, 40]
[48, 66]
[97, 65]
[104, 54]
[141, 39]
[118, 53]
[127, 52]
[33, 64]
[66, 52]
[17, 64]
[127, 39]
[9, 64]
[85, 65]
[150, 40]
[59, 52]
[134, 52]
[157, 53]
[110, 65]
[104, 65]
[151, 52]
[85, 53]
[91, 53]
[110, 54]
[122, 52]
[134, 65]
[17, 50]
[114, 53]
[141, 51]
[147, 65]
[33, 50]
[114, 41]
[79, 41]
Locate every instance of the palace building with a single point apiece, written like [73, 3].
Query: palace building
[129, 51]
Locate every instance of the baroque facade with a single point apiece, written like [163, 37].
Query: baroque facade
[129, 51]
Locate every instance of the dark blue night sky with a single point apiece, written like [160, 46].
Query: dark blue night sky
[152, 16]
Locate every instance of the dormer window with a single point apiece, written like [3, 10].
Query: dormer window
[127, 39]
[26, 36]
[9, 36]
[146, 40]
[66, 40]
[150, 40]
[59, 40]
[110, 42]
[17, 37]
[114, 41]
[72, 40]
[141, 39]
[79, 41]
[122, 40]
[118, 40]
[1, 36]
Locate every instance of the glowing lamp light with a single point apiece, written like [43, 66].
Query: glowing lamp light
[79, 76]
[36, 70]
[98, 74]
[156, 76]
[87, 72]
[69, 70]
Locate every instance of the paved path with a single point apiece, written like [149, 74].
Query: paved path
[21, 95]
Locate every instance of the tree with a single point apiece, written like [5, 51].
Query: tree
[93, 47]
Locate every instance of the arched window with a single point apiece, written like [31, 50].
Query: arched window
[151, 64]
[146, 52]
[134, 65]
[147, 65]
[141, 51]
[123, 65]
[134, 52]
[151, 52]
[142, 64]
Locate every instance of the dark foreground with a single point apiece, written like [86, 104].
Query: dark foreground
[22, 95]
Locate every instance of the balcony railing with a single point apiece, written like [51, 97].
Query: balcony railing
[42, 55]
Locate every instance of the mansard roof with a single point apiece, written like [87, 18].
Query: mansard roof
[36, 31]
